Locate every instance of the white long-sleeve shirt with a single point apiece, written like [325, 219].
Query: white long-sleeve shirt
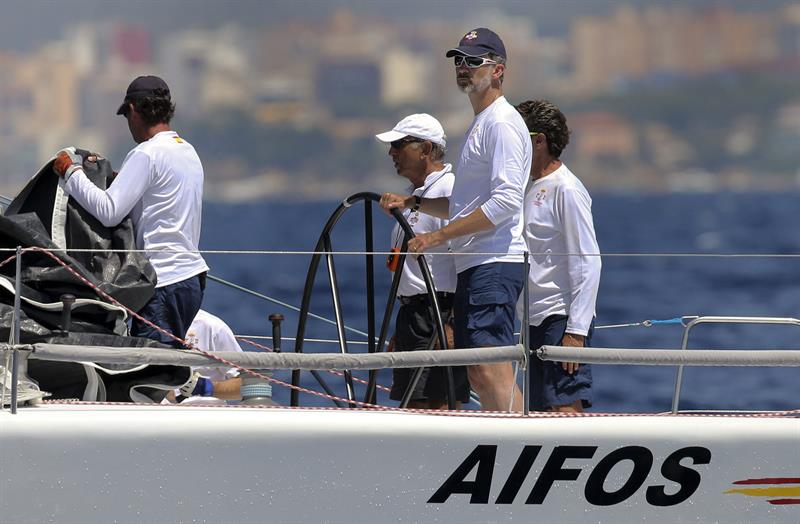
[558, 221]
[160, 184]
[443, 269]
[491, 175]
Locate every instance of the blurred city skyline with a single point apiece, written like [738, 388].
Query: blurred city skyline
[282, 99]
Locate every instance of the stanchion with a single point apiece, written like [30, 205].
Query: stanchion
[67, 301]
[256, 390]
[276, 320]
[524, 335]
[16, 332]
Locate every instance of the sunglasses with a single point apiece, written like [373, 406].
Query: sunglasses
[400, 142]
[473, 62]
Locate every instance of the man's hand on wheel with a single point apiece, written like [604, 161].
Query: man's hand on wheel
[391, 201]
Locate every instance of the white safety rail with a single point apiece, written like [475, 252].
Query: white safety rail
[720, 320]
[283, 361]
[753, 357]
[672, 357]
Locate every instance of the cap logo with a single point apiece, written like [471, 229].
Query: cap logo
[471, 35]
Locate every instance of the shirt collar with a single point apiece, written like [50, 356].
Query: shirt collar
[496, 101]
[432, 177]
[171, 132]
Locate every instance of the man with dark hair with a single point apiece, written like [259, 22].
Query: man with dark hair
[563, 289]
[485, 212]
[160, 184]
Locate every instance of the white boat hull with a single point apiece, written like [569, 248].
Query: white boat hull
[101, 464]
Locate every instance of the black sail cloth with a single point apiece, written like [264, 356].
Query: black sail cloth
[43, 216]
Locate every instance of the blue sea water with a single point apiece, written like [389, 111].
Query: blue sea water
[637, 284]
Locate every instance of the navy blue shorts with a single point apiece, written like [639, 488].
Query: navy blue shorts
[485, 304]
[173, 309]
[550, 384]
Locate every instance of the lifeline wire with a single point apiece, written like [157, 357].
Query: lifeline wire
[386, 253]
[648, 323]
[280, 303]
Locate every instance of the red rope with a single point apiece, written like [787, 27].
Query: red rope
[6, 261]
[208, 354]
[459, 413]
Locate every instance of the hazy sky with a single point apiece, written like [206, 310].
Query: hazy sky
[25, 24]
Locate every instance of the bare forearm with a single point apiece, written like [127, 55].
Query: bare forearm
[438, 207]
[228, 389]
[475, 222]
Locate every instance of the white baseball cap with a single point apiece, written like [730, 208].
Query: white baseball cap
[419, 125]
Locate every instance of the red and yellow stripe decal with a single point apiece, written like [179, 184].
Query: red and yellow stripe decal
[779, 490]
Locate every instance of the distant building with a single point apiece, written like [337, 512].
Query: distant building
[405, 77]
[132, 44]
[208, 70]
[603, 137]
[38, 101]
[664, 148]
[631, 44]
[349, 88]
[282, 101]
[789, 37]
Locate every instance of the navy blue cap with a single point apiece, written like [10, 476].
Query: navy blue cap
[479, 42]
[142, 86]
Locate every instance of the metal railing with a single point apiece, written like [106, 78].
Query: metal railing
[15, 332]
[676, 395]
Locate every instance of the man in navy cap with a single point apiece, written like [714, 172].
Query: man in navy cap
[160, 184]
[485, 212]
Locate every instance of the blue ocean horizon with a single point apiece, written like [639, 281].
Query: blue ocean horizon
[665, 256]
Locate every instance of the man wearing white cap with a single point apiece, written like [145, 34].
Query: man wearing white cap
[417, 147]
[485, 211]
[211, 384]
